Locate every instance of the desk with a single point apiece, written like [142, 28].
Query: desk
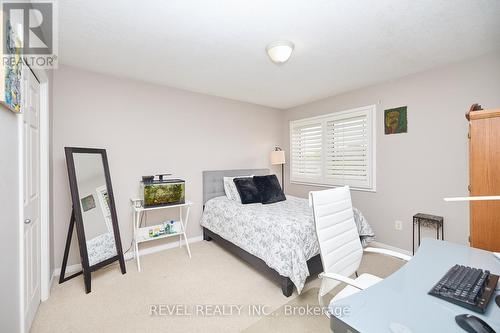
[402, 299]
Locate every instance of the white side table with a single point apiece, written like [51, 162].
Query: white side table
[141, 234]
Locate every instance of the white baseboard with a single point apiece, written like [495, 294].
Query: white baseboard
[390, 247]
[49, 288]
[69, 270]
[130, 255]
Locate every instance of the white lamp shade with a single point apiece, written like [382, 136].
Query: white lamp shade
[278, 157]
[280, 51]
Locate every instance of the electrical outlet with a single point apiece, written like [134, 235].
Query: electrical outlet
[398, 225]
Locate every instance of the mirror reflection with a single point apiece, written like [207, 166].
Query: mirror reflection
[95, 207]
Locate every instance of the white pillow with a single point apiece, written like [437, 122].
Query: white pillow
[230, 188]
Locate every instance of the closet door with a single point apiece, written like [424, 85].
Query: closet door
[484, 147]
[31, 196]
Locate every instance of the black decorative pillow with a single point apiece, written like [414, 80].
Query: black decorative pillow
[269, 188]
[247, 190]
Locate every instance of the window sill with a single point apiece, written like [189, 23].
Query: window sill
[372, 190]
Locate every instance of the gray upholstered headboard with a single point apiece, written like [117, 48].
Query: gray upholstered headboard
[213, 181]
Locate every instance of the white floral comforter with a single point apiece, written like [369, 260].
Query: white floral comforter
[101, 248]
[282, 234]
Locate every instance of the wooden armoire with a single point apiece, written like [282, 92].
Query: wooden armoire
[484, 169]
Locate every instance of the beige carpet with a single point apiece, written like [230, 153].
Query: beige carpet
[212, 292]
[292, 317]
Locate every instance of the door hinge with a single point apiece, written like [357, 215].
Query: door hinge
[469, 188]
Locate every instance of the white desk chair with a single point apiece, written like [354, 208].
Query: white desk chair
[339, 243]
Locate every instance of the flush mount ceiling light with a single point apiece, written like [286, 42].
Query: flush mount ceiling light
[280, 51]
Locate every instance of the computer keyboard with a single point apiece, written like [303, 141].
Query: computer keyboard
[469, 287]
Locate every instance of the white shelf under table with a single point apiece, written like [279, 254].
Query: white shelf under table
[141, 234]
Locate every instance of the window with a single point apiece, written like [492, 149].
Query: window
[335, 149]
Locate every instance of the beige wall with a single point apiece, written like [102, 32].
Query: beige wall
[416, 170]
[149, 129]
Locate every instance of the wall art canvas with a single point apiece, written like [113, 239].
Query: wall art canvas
[10, 79]
[88, 203]
[396, 120]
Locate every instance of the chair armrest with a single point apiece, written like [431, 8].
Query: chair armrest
[341, 278]
[388, 253]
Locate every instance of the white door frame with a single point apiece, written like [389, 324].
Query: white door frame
[46, 278]
[46, 274]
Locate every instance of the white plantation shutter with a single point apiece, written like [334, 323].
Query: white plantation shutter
[306, 151]
[335, 149]
[346, 160]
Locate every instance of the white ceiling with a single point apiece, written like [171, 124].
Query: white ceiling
[218, 47]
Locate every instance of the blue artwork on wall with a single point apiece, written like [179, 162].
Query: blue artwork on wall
[13, 71]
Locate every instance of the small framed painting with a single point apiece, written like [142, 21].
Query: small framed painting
[396, 120]
[88, 203]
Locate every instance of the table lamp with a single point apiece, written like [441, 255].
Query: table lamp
[479, 198]
[278, 157]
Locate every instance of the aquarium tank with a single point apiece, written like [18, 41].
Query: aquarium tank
[162, 192]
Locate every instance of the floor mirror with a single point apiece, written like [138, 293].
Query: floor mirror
[93, 214]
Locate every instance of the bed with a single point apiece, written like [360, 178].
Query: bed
[277, 239]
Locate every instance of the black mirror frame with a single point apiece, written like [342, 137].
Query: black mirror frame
[77, 220]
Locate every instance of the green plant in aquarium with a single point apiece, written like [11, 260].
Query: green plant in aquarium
[163, 194]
